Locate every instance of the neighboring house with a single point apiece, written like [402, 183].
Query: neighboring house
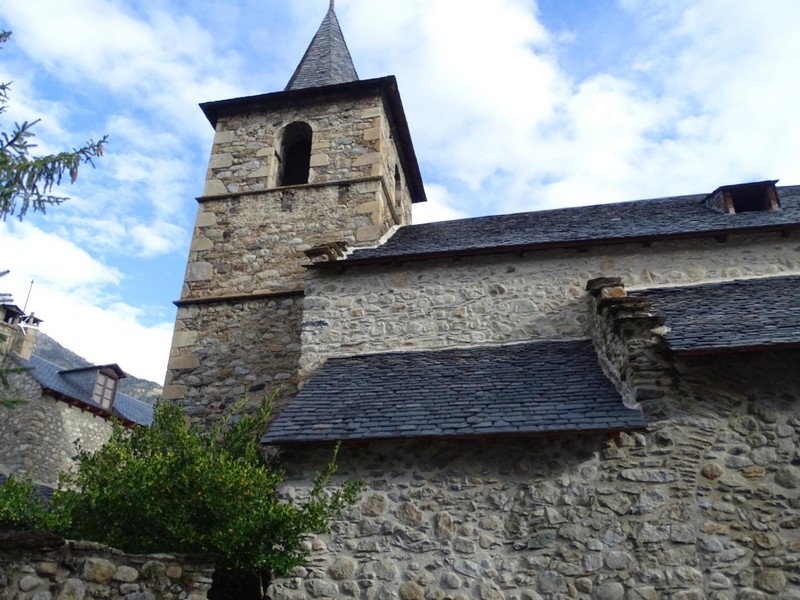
[55, 411]
[596, 402]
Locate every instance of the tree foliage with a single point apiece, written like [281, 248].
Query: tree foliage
[27, 181]
[173, 488]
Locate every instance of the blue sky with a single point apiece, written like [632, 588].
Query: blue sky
[514, 105]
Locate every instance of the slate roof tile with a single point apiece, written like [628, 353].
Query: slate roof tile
[327, 60]
[729, 315]
[79, 385]
[680, 215]
[524, 388]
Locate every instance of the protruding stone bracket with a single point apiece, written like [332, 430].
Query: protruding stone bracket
[329, 252]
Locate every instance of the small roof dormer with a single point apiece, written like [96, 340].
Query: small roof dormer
[744, 197]
[96, 385]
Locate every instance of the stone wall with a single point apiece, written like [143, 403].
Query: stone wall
[250, 240]
[224, 351]
[702, 505]
[32, 570]
[41, 435]
[507, 298]
[255, 243]
[351, 139]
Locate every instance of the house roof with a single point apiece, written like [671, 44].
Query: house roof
[540, 387]
[78, 385]
[732, 315]
[327, 60]
[642, 220]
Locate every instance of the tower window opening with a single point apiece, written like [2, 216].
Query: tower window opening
[295, 154]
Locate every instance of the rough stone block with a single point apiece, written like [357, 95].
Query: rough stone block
[175, 392]
[201, 244]
[186, 361]
[98, 570]
[199, 271]
[368, 158]
[73, 589]
[205, 218]
[368, 234]
[28, 583]
[220, 161]
[368, 207]
[47, 569]
[182, 339]
[372, 134]
[320, 160]
[214, 187]
[370, 113]
[224, 137]
[126, 574]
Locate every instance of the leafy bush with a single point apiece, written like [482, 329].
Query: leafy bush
[22, 507]
[173, 488]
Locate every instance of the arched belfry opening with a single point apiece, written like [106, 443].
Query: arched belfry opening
[295, 154]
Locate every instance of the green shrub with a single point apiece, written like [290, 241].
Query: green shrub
[173, 488]
[22, 507]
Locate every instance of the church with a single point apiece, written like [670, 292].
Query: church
[598, 402]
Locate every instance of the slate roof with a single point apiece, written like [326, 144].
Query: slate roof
[740, 314]
[680, 216]
[541, 387]
[327, 60]
[78, 384]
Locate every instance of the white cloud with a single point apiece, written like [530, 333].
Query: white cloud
[439, 207]
[704, 101]
[77, 297]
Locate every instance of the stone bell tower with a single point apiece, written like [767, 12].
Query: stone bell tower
[325, 164]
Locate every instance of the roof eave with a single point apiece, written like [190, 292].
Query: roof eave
[556, 245]
[453, 438]
[742, 348]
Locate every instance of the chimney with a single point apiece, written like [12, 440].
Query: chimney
[25, 336]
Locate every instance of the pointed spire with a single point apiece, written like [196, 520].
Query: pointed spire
[327, 60]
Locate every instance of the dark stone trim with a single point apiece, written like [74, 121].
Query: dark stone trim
[236, 298]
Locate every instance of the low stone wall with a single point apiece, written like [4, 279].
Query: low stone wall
[37, 568]
[705, 504]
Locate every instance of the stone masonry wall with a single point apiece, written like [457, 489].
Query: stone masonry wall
[703, 505]
[41, 436]
[82, 571]
[507, 298]
[224, 351]
[256, 243]
[351, 139]
[250, 240]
